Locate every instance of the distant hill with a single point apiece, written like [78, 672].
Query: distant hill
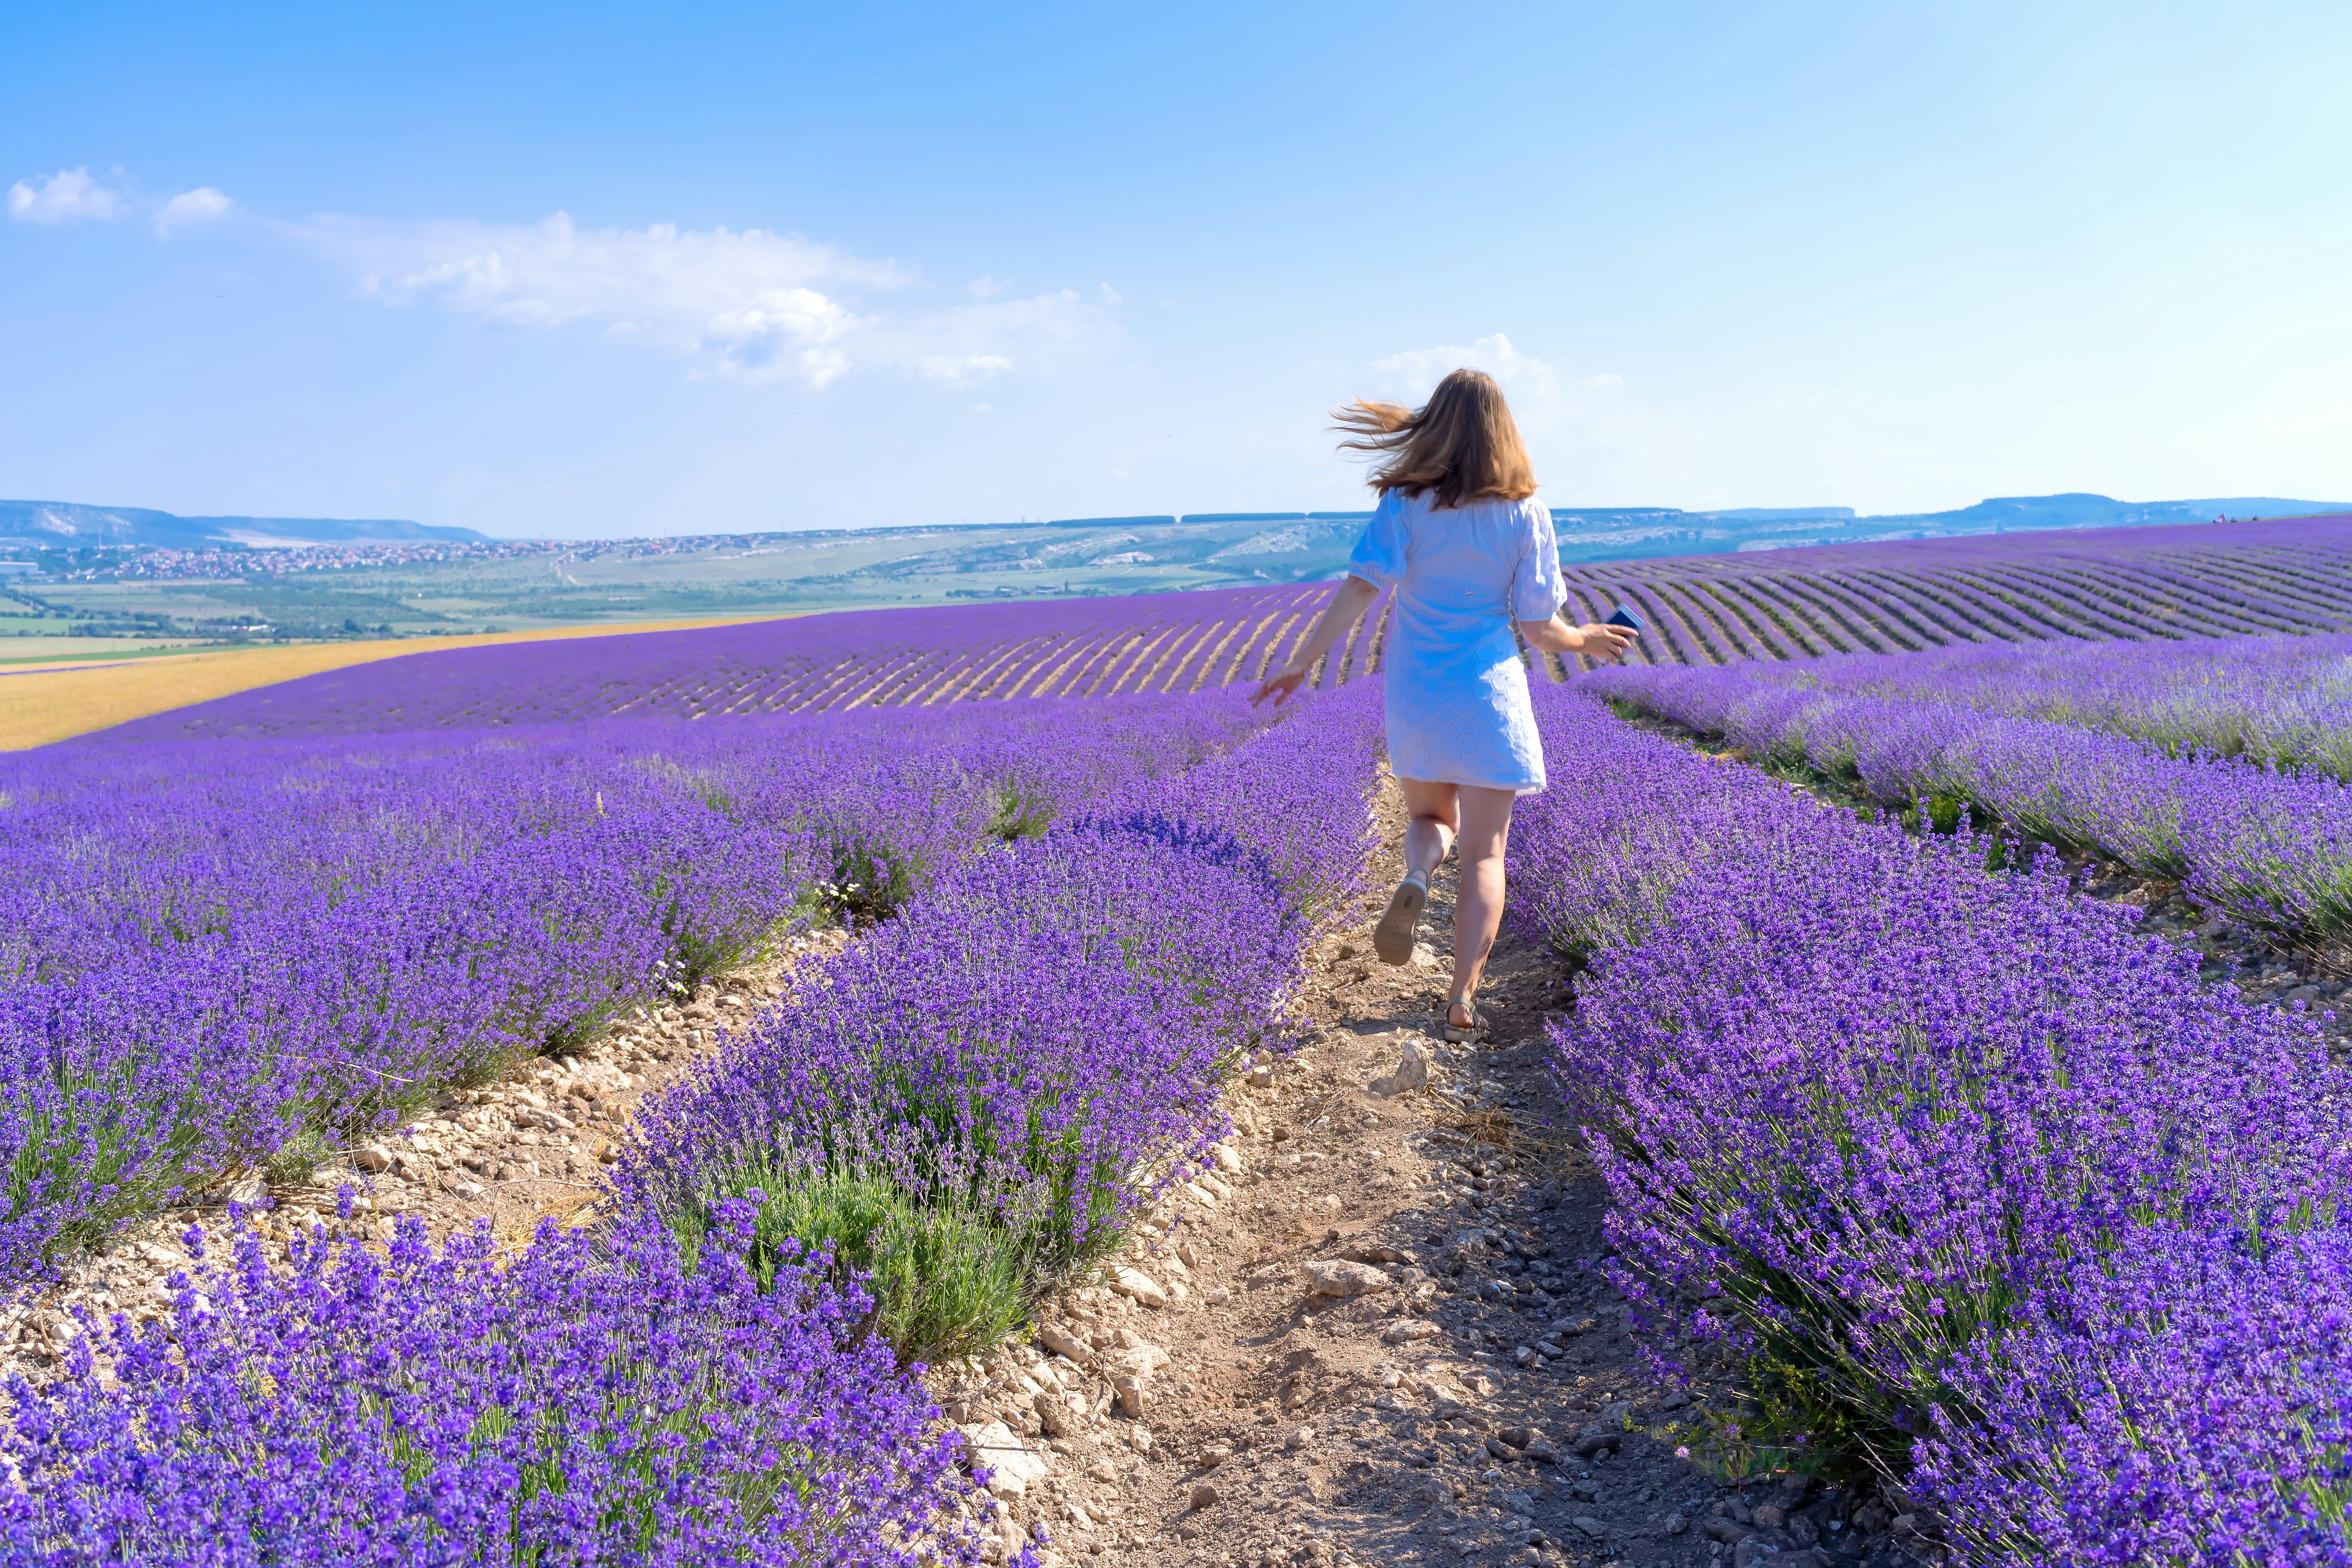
[71, 523]
[1631, 532]
[2083, 511]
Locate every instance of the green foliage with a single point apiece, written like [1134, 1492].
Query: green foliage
[1017, 812]
[1943, 811]
[869, 884]
[298, 1159]
[946, 1280]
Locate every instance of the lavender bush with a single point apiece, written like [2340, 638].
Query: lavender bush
[2286, 701]
[1880, 1117]
[980, 1095]
[2272, 848]
[568, 1405]
[2191, 1403]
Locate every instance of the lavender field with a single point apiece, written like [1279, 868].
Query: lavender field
[2132, 584]
[225, 956]
[1967, 1178]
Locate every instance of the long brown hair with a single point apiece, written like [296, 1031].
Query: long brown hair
[1462, 443]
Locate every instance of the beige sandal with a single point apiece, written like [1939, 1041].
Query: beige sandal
[1393, 938]
[1474, 1029]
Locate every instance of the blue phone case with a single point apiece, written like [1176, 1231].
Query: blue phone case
[1625, 618]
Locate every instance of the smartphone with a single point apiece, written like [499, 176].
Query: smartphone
[1626, 618]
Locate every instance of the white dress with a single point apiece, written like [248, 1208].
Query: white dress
[1455, 691]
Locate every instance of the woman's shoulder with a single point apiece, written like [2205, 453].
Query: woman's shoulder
[1527, 512]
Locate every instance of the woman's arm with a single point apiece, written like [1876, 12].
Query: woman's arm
[1350, 602]
[1556, 636]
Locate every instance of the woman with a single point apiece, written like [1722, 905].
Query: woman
[1468, 553]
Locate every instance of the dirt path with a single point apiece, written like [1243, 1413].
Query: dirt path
[1457, 1384]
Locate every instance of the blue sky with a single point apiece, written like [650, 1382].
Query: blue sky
[610, 270]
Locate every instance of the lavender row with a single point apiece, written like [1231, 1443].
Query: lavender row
[2141, 585]
[1927, 1149]
[574, 1405]
[982, 1092]
[215, 956]
[837, 662]
[2270, 848]
[2286, 701]
[980, 1096]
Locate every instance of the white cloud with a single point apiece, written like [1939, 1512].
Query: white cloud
[1539, 398]
[1037, 336]
[1419, 370]
[1571, 423]
[203, 205]
[955, 368]
[66, 194]
[752, 304]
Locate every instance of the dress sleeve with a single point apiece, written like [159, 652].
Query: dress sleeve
[1379, 556]
[1537, 591]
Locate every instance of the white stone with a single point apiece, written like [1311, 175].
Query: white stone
[1061, 1341]
[1337, 1277]
[1138, 1286]
[1412, 1073]
[1225, 1157]
[1011, 1463]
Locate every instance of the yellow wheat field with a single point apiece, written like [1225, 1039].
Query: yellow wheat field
[41, 706]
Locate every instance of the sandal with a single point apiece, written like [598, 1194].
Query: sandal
[1393, 938]
[1474, 1029]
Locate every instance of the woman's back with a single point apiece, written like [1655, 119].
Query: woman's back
[1462, 574]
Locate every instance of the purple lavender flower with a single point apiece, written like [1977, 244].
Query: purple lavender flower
[573, 1403]
[1911, 1135]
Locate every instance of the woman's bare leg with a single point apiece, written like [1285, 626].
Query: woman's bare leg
[1427, 837]
[1480, 821]
[1435, 815]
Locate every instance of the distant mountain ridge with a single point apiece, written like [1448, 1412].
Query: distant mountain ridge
[1232, 545]
[71, 523]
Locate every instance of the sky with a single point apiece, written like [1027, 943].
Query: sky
[597, 269]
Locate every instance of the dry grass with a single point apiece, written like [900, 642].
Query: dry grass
[42, 706]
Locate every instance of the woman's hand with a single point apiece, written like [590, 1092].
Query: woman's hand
[1601, 640]
[1556, 636]
[1281, 685]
